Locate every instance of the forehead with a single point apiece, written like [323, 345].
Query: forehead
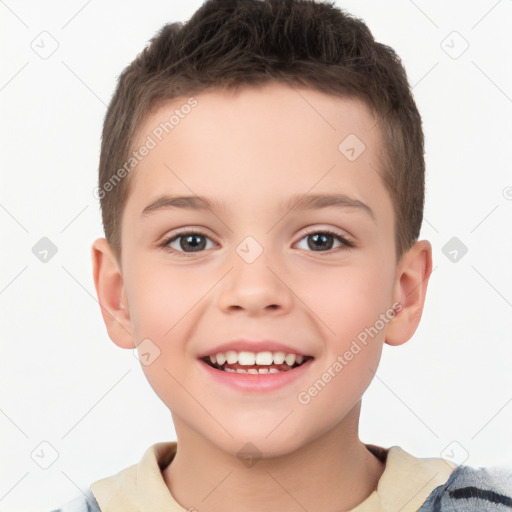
[268, 142]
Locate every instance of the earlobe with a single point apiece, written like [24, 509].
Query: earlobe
[111, 294]
[413, 273]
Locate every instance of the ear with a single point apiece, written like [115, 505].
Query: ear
[110, 289]
[413, 273]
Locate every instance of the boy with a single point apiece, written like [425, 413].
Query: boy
[261, 183]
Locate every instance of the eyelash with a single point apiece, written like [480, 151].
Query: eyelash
[347, 244]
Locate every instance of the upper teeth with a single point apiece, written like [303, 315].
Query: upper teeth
[260, 358]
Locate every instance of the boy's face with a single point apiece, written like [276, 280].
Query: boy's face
[252, 272]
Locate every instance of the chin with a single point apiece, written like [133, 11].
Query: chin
[253, 443]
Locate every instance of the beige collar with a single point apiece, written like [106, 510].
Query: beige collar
[405, 484]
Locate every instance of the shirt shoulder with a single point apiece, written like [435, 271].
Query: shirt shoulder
[85, 503]
[473, 490]
[406, 481]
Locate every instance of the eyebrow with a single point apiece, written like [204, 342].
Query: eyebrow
[317, 201]
[166, 202]
[300, 202]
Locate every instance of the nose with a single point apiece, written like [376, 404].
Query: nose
[257, 287]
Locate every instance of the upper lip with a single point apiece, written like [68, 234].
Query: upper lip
[252, 346]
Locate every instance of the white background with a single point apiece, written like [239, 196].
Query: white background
[64, 382]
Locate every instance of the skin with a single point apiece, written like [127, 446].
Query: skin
[251, 151]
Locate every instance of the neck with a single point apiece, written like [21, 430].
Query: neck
[333, 472]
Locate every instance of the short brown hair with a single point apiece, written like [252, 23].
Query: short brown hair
[228, 44]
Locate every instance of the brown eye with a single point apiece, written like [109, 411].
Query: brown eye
[323, 241]
[320, 241]
[188, 242]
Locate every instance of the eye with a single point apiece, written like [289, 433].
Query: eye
[323, 241]
[187, 242]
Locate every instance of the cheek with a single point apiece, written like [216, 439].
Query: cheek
[158, 301]
[349, 300]
[349, 306]
[159, 304]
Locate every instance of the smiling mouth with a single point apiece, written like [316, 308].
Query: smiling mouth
[248, 363]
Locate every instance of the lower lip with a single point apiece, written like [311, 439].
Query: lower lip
[257, 382]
